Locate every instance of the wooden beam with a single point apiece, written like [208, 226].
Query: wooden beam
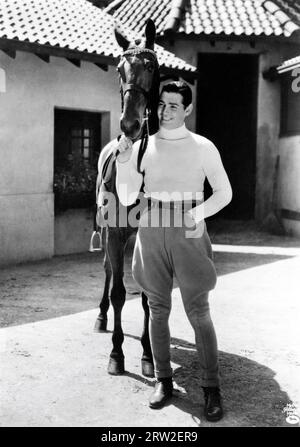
[75, 57]
[102, 66]
[75, 62]
[10, 53]
[271, 74]
[17, 45]
[44, 57]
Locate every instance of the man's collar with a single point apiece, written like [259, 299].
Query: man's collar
[173, 134]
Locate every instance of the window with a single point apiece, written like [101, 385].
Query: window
[82, 142]
[77, 138]
[77, 144]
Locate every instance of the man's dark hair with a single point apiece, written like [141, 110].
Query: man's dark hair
[179, 87]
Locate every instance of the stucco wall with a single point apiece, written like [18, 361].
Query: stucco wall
[72, 231]
[289, 182]
[268, 128]
[33, 89]
[268, 105]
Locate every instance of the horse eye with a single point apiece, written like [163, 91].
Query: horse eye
[149, 66]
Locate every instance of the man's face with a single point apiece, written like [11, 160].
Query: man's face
[171, 112]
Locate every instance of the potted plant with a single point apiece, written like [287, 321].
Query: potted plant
[74, 187]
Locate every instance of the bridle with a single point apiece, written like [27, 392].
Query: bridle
[127, 87]
[122, 79]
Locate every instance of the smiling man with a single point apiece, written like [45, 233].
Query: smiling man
[172, 239]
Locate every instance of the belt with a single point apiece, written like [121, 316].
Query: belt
[172, 205]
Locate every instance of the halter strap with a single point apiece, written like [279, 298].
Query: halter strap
[106, 172]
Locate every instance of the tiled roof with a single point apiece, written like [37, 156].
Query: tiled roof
[207, 17]
[290, 7]
[289, 65]
[69, 24]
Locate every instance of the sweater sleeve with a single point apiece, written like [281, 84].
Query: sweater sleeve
[217, 177]
[215, 171]
[128, 180]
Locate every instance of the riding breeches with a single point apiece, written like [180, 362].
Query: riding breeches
[161, 252]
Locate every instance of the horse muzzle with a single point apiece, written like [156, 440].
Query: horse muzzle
[131, 129]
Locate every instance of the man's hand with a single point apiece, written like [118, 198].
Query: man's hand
[197, 213]
[124, 149]
[196, 216]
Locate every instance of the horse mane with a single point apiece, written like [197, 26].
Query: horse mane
[153, 101]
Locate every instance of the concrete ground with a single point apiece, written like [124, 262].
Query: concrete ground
[53, 367]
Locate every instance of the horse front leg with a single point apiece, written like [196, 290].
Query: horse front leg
[147, 359]
[115, 250]
[101, 321]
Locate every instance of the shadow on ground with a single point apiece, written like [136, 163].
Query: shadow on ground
[250, 232]
[251, 395]
[68, 284]
[71, 284]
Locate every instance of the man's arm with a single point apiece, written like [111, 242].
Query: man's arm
[218, 180]
[128, 180]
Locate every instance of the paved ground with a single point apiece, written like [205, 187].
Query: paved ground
[53, 368]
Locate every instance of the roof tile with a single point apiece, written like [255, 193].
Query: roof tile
[290, 7]
[248, 17]
[72, 24]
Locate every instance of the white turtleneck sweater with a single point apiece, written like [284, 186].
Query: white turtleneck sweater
[175, 165]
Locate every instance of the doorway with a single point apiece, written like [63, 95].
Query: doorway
[227, 115]
[77, 144]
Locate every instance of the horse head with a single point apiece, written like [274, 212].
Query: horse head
[139, 80]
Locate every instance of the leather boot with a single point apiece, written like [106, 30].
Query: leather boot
[162, 392]
[213, 410]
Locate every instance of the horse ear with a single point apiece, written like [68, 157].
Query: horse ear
[150, 33]
[122, 41]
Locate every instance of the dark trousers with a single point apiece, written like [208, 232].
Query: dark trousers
[168, 250]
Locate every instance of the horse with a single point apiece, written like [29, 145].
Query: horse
[139, 87]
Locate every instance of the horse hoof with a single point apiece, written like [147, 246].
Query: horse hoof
[116, 367]
[147, 369]
[100, 325]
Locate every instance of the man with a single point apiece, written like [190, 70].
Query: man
[172, 238]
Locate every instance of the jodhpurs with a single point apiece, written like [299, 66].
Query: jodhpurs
[160, 253]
